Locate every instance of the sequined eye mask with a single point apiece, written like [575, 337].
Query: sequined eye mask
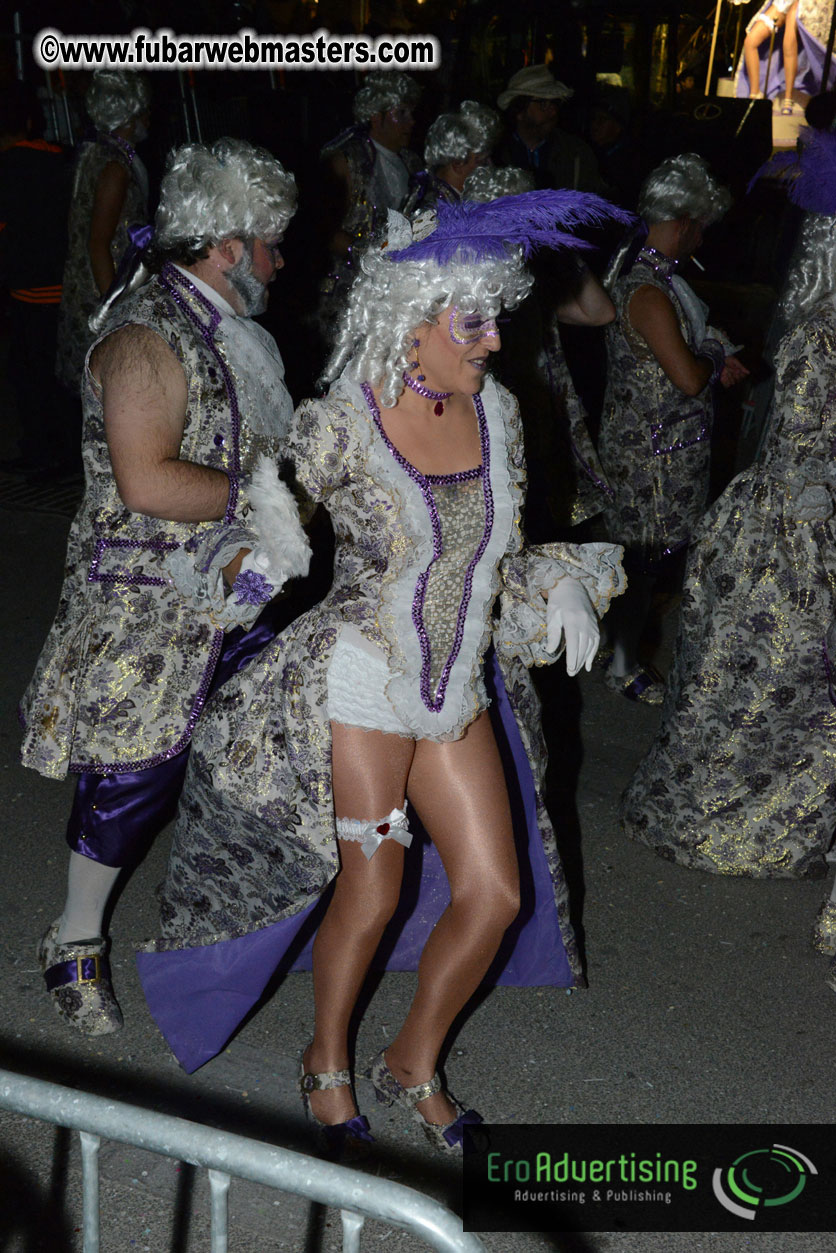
[469, 328]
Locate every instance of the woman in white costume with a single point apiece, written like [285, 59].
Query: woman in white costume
[380, 694]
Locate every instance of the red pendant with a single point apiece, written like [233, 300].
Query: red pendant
[438, 408]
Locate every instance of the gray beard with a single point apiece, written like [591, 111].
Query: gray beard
[254, 295]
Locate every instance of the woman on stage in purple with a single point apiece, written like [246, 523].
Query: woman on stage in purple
[304, 764]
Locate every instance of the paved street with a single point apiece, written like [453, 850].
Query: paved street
[705, 1003]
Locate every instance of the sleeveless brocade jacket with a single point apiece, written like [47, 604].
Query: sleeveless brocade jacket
[127, 665]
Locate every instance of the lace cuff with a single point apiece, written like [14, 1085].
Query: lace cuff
[715, 352]
[279, 550]
[198, 576]
[522, 628]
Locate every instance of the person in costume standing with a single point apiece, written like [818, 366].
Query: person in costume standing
[365, 172]
[303, 767]
[655, 442]
[182, 394]
[110, 195]
[790, 37]
[741, 778]
[456, 145]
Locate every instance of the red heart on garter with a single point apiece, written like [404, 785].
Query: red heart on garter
[383, 829]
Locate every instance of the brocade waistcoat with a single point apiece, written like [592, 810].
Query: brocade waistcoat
[127, 665]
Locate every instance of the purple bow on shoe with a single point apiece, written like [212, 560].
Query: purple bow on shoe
[454, 1134]
[346, 1139]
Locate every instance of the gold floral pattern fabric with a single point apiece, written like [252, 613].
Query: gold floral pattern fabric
[741, 778]
[655, 441]
[126, 667]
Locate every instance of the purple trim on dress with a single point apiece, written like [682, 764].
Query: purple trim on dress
[172, 279]
[125, 767]
[424, 482]
[661, 265]
[657, 428]
[132, 580]
[119, 142]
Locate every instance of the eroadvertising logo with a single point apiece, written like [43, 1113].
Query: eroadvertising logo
[671, 1177]
[762, 1177]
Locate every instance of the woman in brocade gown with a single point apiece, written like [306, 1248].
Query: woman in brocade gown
[301, 769]
[741, 778]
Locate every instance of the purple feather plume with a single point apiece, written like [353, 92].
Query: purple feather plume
[474, 231]
[810, 173]
[815, 186]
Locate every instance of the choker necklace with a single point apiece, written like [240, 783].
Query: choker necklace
[427, 393]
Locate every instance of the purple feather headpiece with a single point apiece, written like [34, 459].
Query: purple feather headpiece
[473, 231]
[810, 173]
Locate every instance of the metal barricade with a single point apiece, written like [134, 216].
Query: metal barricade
[226, 1155]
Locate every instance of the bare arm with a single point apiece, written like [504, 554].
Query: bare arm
[589, 305]
[144, 398]
[107, 209]
[652, 315]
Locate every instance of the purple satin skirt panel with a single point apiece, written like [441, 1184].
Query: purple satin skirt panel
[115, 817]
[199, 996]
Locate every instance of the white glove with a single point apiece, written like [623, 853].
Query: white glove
[569, 612]
[259, 561]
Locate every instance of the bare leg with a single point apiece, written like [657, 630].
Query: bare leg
[458, 790]
[759, 32]
[790, 51]
[369, 770]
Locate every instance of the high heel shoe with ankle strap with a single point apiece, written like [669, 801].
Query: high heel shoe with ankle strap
[337, 1140]
[444, 1137]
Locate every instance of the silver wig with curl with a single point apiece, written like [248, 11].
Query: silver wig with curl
[682, 187]
[389, 300]
[488, 182]
[231, 190]
[114, 97]
[453, 136]
[384, 90]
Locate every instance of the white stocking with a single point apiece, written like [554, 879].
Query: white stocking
[89, 885]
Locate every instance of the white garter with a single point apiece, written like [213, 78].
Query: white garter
[371, 833]
[769, 22]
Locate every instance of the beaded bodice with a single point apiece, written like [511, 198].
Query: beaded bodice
[460, 509]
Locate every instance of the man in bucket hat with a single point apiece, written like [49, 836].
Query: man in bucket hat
[534, 140]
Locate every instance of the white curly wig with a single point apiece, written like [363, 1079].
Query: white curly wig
[812, 273]
[232, 190]
[453, 136]
[391, 299]
[682, 187]
[114, 97]
[489, 182]
[384, 90]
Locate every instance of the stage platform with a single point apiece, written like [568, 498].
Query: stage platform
[785, 127]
